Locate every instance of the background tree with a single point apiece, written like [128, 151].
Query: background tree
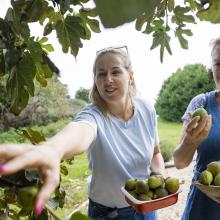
[83, 94]
[180, 88]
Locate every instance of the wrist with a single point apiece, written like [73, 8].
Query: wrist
[188, 142]
[52, 148]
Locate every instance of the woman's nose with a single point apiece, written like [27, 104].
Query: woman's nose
[108, 78]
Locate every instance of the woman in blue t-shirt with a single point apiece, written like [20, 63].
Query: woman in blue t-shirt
[119, 133]
[202, 135]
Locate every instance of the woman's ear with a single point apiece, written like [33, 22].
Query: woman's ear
[131, 79]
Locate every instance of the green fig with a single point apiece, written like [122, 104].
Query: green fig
[155, 181]
[26, 197]
[130, 184]
[199, 112]
[214, 167]
[206, 177]
[172, 185]
[141, 187]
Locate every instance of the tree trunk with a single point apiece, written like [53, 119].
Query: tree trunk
[11, 120]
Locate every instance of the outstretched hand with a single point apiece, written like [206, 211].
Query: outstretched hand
[16, 157]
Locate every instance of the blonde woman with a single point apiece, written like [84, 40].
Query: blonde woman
[119, 133]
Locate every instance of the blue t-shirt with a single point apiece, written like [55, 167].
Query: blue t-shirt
[120, 150]
[198, 101]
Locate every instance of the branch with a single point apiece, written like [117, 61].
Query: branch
[52, 212]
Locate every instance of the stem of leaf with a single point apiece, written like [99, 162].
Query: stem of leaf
[52, 212]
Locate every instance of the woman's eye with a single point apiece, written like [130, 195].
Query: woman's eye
[101, 74]
[115, 72]
[217, 64]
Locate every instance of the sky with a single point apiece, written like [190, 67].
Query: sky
[149, 72]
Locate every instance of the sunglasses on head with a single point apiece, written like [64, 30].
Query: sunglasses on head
[106, 49]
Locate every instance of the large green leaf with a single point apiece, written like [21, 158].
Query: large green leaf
[117, 12]
[5, 34]
[182, 16]
[35, 50]
[212, 13]
[12, 57]
[91, 12]
[47, 47]
[179, 34]
[33, 136]
[69, 33]
[20, 83]
[34, 10]
[140, 21]
[161, 38]
[94, 25]
[13, 18]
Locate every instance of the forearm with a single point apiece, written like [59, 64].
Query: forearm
[183, 155]
[74, 139]
[157, 163]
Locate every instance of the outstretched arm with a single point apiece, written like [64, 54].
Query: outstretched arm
[74, 139]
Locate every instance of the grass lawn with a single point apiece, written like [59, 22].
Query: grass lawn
[169, 131]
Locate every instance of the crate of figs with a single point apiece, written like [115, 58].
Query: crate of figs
[209, 181]
[153, 193]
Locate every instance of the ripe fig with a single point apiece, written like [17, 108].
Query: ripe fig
[130, 184]
[199, 112]
[206, 177]
[172, 185]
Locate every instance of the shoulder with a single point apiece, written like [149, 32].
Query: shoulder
[89, 111]
[144, 104]
[145, 109]
[197, 102]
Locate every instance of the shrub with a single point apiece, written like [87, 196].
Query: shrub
[167, 149]
[180, 88]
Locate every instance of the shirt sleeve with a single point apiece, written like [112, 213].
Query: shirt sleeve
[198, 101]
[87, 116]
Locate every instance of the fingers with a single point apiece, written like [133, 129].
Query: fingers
[192, 124]
[8, 151]
[26, 160]
[51, 181]
[198, 128]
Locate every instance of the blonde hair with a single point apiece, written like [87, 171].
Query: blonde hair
[94, 94]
